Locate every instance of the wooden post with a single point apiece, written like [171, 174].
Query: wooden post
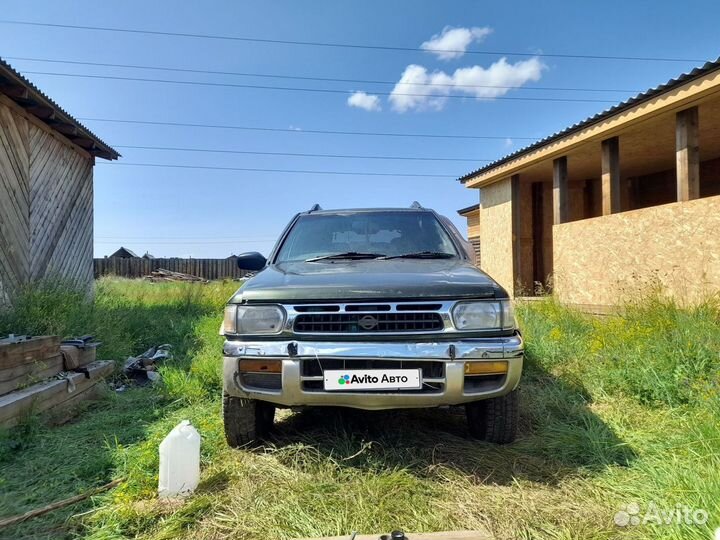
[611, 176]
[515, 210]
[560, 190]
[687, 154]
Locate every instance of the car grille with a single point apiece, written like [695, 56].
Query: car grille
[368, 319]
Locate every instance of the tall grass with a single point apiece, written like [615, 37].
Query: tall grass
[615, 410]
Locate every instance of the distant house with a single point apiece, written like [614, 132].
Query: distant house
[46, 188]
[472, 214]
[624, 201]
[124, 253]
[148, 256]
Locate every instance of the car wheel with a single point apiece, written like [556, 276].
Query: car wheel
[246, 420]
[494, 420]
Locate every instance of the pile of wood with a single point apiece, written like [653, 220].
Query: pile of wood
[39, 373]
[166, 275]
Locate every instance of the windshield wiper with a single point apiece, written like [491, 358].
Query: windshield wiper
[352, 255]
[422, 255]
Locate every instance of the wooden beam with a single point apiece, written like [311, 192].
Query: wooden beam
[560, 190]
[611, 176]
[687, 154]
[515, 212]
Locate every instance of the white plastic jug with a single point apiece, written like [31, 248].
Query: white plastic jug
[179, 461]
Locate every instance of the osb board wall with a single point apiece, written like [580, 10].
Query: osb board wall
[496, 256]
[46, 206]
[602, 260]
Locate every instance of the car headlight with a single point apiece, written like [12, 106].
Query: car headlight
[484, 315]
[253, 319]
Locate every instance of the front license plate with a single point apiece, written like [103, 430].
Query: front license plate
[372, 379]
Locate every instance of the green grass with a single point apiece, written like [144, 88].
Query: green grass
[615, 410]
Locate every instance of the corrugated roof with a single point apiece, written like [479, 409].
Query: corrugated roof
[467, 209]
[28, 96]
[651, 93]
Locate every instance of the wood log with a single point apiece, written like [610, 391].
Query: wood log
[28, 351]
[25, 374]
[52, 394]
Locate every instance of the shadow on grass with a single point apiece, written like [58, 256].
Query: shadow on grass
[559, 435]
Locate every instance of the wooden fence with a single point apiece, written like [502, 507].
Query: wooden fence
[135, 268]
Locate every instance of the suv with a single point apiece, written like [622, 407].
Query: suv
[371, 309]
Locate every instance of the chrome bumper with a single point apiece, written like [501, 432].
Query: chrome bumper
[452, 353]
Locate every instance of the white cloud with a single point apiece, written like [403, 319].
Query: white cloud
[421, 90]
[453, 42]
[362, 100]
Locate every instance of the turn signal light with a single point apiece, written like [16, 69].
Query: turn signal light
[260, 366]
[486, 368]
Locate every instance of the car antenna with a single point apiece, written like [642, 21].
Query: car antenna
[315, 207]
[416, 205]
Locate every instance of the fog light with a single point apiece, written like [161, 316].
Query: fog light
[486, 368]
[260, 366]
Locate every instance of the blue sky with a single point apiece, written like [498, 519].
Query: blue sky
[212, 213]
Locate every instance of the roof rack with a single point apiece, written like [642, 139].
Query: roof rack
[315, 207]
[417, 205]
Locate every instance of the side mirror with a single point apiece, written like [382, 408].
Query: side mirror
[251, 261]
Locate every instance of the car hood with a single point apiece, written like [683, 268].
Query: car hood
[369, 280]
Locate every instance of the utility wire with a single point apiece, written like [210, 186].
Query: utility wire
[313, 131]
[341, 45]
[319, 90]
[294, 154]
[307, 78]
[284, 171]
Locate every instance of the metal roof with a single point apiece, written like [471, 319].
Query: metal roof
[28, 96]
[651, 93]
[467, 209]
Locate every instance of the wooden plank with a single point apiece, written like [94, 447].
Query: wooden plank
[560, 190]
[447, 535]
[610, 161]
[22, 375]
[28, 351]
[51, 394]
[515, 224]
[687, 154]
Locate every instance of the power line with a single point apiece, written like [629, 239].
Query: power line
[318, 90]
[313, 131]
[284, 171]
[307, 78]
[295, 154]
[342, 45]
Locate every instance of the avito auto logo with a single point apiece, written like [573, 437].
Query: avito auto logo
[369, 379]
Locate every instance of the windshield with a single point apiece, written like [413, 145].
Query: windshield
[388, 234]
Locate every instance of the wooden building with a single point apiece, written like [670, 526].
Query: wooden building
[615, 205]
[46, 188]
[472, 214]
[125, 253]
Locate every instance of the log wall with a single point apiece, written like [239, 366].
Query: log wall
[46, 204]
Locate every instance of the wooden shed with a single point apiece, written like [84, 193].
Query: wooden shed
[46, 188]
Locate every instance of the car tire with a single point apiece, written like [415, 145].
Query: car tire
[494, 420]
[246, 420]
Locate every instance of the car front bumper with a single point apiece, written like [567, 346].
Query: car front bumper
[449, 386]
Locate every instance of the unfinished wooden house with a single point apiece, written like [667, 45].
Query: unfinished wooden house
[616, 205]
[46, 188]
